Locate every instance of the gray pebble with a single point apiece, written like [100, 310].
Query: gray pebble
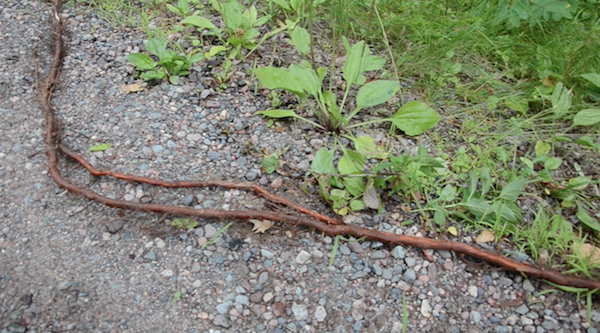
[209, 231]
[224, 307]
[410, 275]
[399, 252]
[64, 285]
[379, 254]
[251, 175]
[115, 226]
[222, 321]
[522, 309]
[187, 200]
[300, 311]
[150, 256]
[475, 316]
[266, 253]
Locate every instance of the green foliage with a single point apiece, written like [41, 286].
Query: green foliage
[532, 12]
[170, 64]
[307, 84]
[183, 8]
[100, 147]
[241, 26]
[184, 223]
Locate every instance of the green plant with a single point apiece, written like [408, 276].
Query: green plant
[513, 12]
[169, 64]
[241, 26]
[223, 76]
[307, 84]
[183, 8]
[184, 223]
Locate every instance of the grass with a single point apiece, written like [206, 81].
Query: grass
[494, 84]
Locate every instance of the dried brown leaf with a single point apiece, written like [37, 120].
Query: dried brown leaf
[129, 88]
[485, 236]
[261, 225]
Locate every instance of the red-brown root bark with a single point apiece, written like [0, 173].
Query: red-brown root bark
[311, 219]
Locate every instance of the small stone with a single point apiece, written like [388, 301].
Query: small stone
[224, 307]
[167, 273]
[268, 297]
[549, 325]
[527, 286]
[115, 226]
[278, 309]
[205, 93]
[222, 321]
[150, 256]
[410, 275]
[426, 308]
[213, 104]
[15, 328]
[302, 257]
[522, 309]
[267, 254]
[475, 316]
[197, 284]
[300, 312]
[379, 254]
[399, 252]
[209, 231]
[187, 200]
[472, 290]
[257, 297]
[355, 247]
[64, 285]
[241, 299]
[320, 313]
[277, 183]
[251, 175]
[160, 243]
[157, 149]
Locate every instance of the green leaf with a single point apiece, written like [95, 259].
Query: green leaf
[512, 190]
[157, 46]
[561, 100]
[365, 145]
[586, 219]
[518, 104]
[283, 4]
[508, 211]
[196, 57]
[232, 15]
[479, 207]
[376, 92]
[277, 113]
[439, 217]
[357, 205]
[351, 69]
[486, 181]
[415, 117]
[173, 9]
[541, 148]
[200, 22]
[306, 76]
[552, 163]
[300, 39]
[270, 163]
[323, 161]
[354, 185]
[593, 78]
[279, 78]
[153, 75]
[174, 79]
[176, 297]
[141, 61]
[448, 193]
[214, 51]
[351, 163]
[587, 117]
[100, 147]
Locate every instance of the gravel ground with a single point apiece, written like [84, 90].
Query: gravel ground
[67, 265]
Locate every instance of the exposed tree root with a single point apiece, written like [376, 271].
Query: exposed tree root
[310, 219]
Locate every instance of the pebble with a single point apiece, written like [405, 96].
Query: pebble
[426, 308]
[475, 317]
[399, 252]
[320, 313]
[150, 256]
[300, 311]
[221, 320]
[302, 257]
[64, 285]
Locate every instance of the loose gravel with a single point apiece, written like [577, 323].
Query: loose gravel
[68, 265]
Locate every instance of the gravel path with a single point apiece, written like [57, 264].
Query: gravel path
[67, 265]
